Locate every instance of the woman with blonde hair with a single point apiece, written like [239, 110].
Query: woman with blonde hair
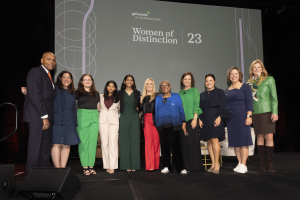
[148, 119]
[265, 113]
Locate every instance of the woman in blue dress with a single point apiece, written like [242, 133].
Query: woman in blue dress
[65, 120]
[239, 103]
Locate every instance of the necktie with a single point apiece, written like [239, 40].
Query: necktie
[50, 76]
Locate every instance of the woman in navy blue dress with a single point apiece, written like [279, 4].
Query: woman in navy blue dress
[239, 103]
[65, 120]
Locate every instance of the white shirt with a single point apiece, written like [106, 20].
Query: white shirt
[46, 116]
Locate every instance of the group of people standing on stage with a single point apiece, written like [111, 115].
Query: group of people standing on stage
[172, 123]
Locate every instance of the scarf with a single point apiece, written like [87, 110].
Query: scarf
[254, 86]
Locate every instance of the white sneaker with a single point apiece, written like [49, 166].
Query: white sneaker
[237, 167]
[183, 172]
[242, 169]
[165, 170]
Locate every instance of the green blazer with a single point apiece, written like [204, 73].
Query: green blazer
[267, 97]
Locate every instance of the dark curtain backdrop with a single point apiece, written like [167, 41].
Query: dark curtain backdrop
[28, 32]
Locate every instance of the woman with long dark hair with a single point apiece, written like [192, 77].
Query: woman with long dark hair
[109, 126]
[129, 129]
[65, 119]
[88, 101]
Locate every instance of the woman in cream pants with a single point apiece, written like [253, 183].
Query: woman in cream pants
[109, 126]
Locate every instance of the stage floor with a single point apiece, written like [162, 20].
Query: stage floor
[254, 185]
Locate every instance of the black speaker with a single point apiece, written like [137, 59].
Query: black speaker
[50, 183]
[7, 181]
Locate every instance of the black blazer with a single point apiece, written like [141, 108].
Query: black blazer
[40, 96]
[137, 95]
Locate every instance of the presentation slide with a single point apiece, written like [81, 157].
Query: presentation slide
[152, 39]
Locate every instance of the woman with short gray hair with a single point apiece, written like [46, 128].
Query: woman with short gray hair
[169, 117]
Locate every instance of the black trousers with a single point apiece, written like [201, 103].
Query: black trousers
[39, 146]
[170, 142]
[191, 151]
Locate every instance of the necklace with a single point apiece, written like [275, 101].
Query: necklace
[235, 87]
[166, 96]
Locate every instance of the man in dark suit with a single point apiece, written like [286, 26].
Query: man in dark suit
[38, 112]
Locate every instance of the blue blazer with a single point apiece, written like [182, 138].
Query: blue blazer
[40, 96]
[177, 112]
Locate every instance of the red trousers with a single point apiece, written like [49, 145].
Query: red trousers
[151, 143]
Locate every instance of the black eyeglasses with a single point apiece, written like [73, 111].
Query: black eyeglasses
[162, 86]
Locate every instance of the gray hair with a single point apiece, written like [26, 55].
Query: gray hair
[164, 81]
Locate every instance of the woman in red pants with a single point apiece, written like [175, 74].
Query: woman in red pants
[150, 132]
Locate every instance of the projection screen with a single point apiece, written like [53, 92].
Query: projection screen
[150, 39]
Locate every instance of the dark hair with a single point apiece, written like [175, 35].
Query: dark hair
[239, 71]
[58, 82]
[115, 95]
[211, 75]
[184, 75]
[123, 86]
[81, 91]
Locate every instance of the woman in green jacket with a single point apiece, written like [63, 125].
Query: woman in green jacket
[190, 141]
[265, 113]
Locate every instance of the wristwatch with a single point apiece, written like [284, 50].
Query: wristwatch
[249, 116]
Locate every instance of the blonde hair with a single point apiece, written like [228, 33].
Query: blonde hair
[152, 96]
[264, 72]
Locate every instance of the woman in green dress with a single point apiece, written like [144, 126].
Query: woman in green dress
[190, 141]
[129, 129]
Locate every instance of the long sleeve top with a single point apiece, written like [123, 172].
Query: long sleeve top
[267, 97]
[190, 100]
[169, 112]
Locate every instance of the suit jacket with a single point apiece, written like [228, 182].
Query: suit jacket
[111, 115]
[137, 95]
[40, 96]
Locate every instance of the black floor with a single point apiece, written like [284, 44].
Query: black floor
[254, 185]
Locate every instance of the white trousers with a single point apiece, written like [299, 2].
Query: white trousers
[109, 144]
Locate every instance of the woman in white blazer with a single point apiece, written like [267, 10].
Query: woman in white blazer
[109, 126]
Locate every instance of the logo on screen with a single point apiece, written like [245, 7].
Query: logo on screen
[141, 14]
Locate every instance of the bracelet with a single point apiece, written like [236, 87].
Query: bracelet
[195, 118]
[249, 116]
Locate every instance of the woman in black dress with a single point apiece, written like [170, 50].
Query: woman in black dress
[212, 129]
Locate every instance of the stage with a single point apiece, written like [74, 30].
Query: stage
[254, 185]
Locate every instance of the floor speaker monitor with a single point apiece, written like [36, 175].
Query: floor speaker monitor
[7, 181]
[50, 183]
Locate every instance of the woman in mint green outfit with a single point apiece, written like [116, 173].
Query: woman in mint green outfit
[265, 113]
[190, 141]
[88, 100]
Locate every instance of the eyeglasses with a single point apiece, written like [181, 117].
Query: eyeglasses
[163, 86]
[85, 80]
